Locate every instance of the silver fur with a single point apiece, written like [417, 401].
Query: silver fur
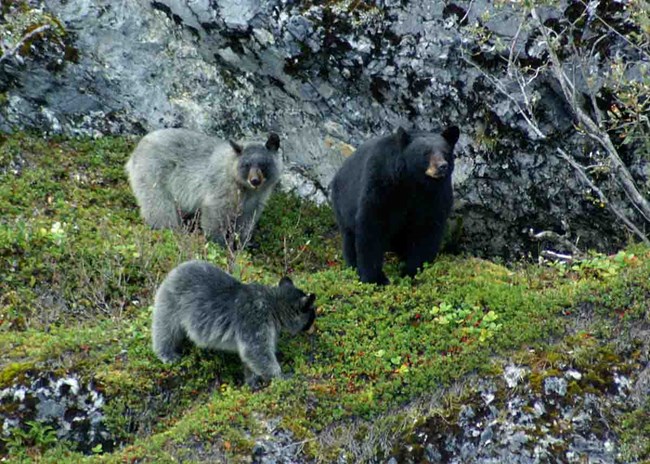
[175, 173]
[201, 302]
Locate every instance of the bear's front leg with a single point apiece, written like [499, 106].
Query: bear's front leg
[349, 248]
[422, 249]
[213, 223]
[370, 244]
[260, 363]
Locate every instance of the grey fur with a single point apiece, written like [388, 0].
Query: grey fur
[201, 302]
[176, 173]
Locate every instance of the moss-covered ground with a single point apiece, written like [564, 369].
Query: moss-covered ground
[78, 270]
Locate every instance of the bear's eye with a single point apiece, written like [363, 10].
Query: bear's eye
[262, 167]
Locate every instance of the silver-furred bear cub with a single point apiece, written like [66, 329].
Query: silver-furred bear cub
[199, 301]
[177, 173]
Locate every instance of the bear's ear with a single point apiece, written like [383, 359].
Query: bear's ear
[235, 146]
[285, 281]
[307, 302]
[403, 138]
[451, 135]
[273, 142]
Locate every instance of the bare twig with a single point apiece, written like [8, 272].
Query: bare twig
[562, 240]
[236, 235]
[8, 52]
[621, 36]
[593, 128]
[548, 254]
[622, 174]
[530, 119]
[469, 8]
[581, 172]
[513, 44]
[584, 63]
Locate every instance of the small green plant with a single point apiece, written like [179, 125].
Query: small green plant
[473, 321]
[635, 431]
[36, 435]
[22, 26]
[597, 265]
[295, 235]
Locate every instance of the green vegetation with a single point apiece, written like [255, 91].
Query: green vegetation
[78, 271]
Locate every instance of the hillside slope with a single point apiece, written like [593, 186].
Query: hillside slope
[390, 374]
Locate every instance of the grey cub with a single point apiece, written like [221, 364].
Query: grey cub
[176, 173]
[201, 302]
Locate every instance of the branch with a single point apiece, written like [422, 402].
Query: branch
[9, 52]
[511, 56]
[584, 64]
[563, 240]
[621, 36]
[557, 256]
[499, 86]
[622, 174]
[581, 172]
[236, 233]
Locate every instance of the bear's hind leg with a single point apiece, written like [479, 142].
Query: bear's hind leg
[167, 338]
[370, 250]
[159, 211]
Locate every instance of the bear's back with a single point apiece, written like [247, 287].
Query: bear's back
[198, 277]
[370, 156]
[184, 161]
[207, 301]
[178, 145]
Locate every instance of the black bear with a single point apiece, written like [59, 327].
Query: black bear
[394, 194]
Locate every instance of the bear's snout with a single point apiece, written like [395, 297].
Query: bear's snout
[255, 177]
[438, 167]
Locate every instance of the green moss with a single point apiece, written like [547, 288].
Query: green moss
[294, 235]
[14, 373]
[635, 433]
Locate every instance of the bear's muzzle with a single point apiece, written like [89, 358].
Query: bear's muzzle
[255, 177]
[438, 166]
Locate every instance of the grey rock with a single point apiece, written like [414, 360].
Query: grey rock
[573, 374]
[230, 68]
[513, 375]
[237, 14]
[299, 27]
[74, 409]
[486, 436]
[555, 385]
[432, 454]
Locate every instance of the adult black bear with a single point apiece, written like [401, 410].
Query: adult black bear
[395, 194]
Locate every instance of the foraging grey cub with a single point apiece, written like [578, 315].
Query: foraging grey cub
[201, 302]
[176, 173]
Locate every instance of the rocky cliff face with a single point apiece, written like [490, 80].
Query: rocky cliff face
[325, 75]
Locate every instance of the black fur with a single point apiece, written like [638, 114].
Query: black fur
[385, 201]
